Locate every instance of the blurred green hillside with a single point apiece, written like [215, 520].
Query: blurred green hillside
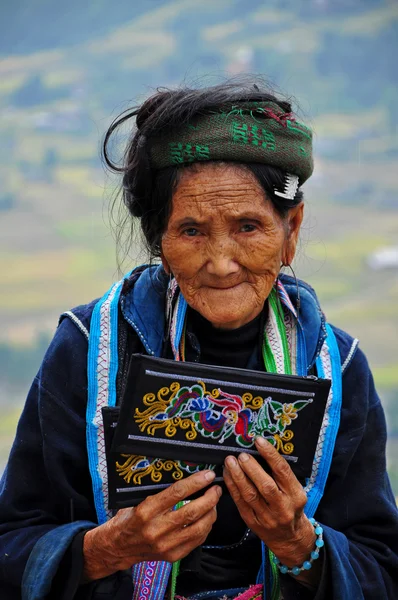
[67, 70]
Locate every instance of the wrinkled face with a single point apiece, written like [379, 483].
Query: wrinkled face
[224, 243]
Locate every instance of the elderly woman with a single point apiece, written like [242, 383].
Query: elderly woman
[214, 176]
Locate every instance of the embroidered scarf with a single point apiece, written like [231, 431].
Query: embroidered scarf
[244, 132]
[284, 352]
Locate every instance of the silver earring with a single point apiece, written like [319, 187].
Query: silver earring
[298, 304]
[169, 306]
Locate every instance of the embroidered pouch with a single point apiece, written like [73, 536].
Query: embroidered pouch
[191, 416]
[133, 477]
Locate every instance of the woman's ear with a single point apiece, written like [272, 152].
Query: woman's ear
[165, 264]
[294, 220]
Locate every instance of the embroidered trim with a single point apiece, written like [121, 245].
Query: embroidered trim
[328, 365]
[285, 298]
[102, 366]
[156, 486]
[350, 355]
[148, 578]
[218, 415]
[275, 349]
[327, 371]
[230, 384]
[142, 438]
[137, 467]
[77, 322]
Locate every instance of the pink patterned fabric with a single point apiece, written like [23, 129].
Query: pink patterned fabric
[253, 593]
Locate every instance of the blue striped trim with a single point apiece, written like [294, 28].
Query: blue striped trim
[301, 364]
[316, 493]
[114, 353]
[180, 319]
[92, 374]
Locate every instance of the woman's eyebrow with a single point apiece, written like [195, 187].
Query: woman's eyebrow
[242, 216]
[184, 221]
[248, 216]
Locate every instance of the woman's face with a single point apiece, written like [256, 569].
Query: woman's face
[224, 243]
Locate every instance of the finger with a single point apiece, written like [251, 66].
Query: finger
[281, 471]
[174, 545]
[179, 491]
[264, 484]
[247, 490]
[195, 535]
[193, 511]
[232, 487]
[245, 511]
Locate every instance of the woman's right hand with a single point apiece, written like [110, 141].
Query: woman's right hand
[153, 530]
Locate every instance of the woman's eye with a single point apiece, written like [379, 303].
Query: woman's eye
[191, 232]
[247, 228]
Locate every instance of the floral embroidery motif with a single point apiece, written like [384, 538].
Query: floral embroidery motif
[137, 467]
[218, 415]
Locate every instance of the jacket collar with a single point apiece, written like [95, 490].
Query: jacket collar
[311, 317]
[143, 306]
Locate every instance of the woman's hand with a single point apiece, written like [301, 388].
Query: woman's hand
[153, 530]
[273, 506]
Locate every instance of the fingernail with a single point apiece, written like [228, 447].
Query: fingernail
[219, 490]
[210, 475]
[231, 462]
[243, 457]
[260, 441]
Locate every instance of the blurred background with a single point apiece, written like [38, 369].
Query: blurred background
[67, 69]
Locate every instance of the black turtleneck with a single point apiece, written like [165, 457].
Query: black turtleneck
[224, 347]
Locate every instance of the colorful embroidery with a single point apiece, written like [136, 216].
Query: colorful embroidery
[137, 467]
[218, 415]
[252, 134]
[299, 128]
[183, 153]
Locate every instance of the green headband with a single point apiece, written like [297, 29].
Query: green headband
[249, 132]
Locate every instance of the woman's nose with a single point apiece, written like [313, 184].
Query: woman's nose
[221, 263]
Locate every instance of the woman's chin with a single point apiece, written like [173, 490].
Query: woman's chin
[226, 308]
[224, 317]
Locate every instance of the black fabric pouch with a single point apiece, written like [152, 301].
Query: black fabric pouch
[192, 416]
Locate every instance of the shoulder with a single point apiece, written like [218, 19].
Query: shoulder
[64, 366]
[348, 347]
[80, 317]
[359, 393]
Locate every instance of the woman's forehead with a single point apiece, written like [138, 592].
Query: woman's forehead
[215, 187]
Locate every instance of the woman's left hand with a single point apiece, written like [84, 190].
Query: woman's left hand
[272, 506]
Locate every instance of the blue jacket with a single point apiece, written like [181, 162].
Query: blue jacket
[46, 495]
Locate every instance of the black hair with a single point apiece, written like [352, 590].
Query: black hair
[147, 193]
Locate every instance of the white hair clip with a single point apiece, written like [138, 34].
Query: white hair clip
[290, 189]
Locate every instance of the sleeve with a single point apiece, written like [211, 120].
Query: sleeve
[46, 498]
[358, 511]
